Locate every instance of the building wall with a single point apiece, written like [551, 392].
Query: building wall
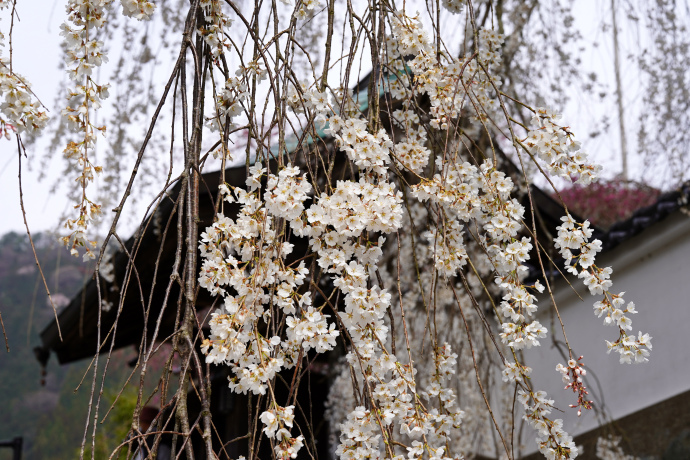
[652, 268]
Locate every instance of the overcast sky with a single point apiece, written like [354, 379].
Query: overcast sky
[37, 55]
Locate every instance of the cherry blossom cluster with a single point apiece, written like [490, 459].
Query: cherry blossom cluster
[553, 441]
[247, 256]
[411, 152]
[84, 53]
[318, 102]
[390, 384]
[294, 98]
[22, 111]
[435, 382]
[554, 144]
[215, 27]
[276, 423]
[311, 331]
[335, 224]
[230, 99]
[454, 6]
[286, 193]
[518, 305]
[366, 150]
[572, 376]
[84, 50]
[609, 449]
[399, 87]
[251, 70]
[465, 224]
[515, 372]
[443, 83]
[364, 313]
[307, 8]
[508, 256]
[480, 81]
[352, 208]
[360, 436]
[490, 42]
[450, 84]
[287, 447]
[398, 403]
[483, 194]
[139, 9]
[447, 248]
[410, 36]
[575, 237]
[319, 105]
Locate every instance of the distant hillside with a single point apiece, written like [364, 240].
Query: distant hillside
[50, 417]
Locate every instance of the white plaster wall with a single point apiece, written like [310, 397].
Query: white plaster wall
[653, 269]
